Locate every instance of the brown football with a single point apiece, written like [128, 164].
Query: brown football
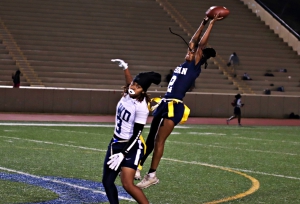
[214, 10]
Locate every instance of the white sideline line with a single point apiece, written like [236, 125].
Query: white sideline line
[237, 148]
[60, 182]
[72, 125]
[175, 160]
[57, 124]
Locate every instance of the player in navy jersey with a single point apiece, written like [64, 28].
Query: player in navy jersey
[127, 147]
[171, 109]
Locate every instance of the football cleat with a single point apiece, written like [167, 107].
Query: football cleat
[147, 182]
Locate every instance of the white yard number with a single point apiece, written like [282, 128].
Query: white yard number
[172, 81]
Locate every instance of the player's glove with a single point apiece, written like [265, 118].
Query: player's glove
[115, 161]
[121, 63]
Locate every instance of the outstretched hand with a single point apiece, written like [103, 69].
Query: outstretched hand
[217, 18]
[121, 63]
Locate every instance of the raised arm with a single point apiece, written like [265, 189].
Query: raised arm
[124, 65]
[204, 39]
[196, 37]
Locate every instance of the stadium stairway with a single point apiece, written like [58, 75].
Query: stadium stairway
[17, 57]
[8, 67]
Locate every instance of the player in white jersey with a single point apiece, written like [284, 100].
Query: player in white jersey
[126, 147]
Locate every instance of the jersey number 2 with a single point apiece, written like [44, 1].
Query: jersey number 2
[170, 85]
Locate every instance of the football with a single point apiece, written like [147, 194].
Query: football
[214, 10]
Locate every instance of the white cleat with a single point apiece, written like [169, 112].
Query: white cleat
[147, 182]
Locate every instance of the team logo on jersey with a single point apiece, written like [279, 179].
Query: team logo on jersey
[181, 70]
[122, 113]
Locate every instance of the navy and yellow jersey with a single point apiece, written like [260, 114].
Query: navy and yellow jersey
[183, 78]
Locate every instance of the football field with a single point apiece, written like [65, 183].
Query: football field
[56, 163]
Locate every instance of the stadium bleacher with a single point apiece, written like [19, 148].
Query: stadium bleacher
[70, 43]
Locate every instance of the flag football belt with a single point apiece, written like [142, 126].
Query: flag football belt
[117, 139]
[171, 102]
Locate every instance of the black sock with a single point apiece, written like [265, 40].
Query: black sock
[151, 171]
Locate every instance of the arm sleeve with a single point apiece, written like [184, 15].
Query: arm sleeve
[137, 131]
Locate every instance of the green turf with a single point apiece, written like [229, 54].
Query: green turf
[196, 166]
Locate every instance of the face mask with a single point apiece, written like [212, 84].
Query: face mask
[130, 91]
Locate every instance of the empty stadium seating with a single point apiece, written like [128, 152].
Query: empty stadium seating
[7, 68]
[70, 43]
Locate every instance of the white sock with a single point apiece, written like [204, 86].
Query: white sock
[153, 174]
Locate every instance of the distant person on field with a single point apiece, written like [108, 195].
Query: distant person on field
[16, 79]
[237, 103]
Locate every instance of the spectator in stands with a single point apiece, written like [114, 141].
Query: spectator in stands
[282, 70]
[233, 60]
[237, 104]
[169, 76]
[171, 110]
[16, 79]
[131, 116]
[246, 76]
[269, 73]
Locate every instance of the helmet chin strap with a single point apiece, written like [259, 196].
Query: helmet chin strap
[130, 91]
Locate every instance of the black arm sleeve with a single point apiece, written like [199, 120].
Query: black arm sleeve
[137, 131]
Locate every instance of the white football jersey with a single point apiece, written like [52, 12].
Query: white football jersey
[129, 111]
[239, 103]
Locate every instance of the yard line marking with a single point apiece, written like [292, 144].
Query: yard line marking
[259, 139]
[59, 182]
[267, 174]
[53, 143]
[237, 169]
[199, 163]
[237, 148]
[72, 131]
[246, 138]
[255, 183]
[205, 133]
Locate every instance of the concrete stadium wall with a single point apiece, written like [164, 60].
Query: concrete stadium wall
[104, 102]
[276, 26]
